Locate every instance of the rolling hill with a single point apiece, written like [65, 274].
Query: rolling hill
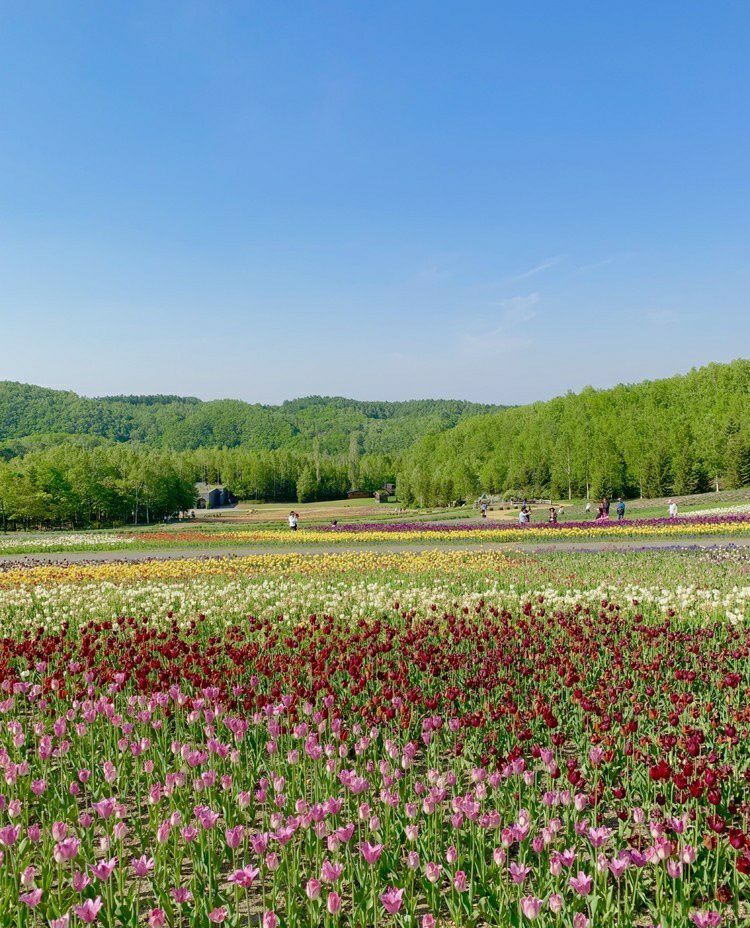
[33, 417]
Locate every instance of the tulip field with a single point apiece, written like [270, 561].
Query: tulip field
[429, 739]
[725, 525]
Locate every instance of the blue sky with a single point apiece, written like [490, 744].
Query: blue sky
[492, 201]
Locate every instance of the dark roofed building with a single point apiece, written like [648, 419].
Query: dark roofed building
[212, 496]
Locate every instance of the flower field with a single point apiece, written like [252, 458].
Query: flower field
[725, 525]
[432, 739]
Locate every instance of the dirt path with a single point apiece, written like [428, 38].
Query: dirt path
[57, 557]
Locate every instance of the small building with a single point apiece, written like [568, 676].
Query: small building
[357, 494]
[390, 487]
[382, 496]
[213, 496]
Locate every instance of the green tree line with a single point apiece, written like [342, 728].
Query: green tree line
[78, 484]
[680, 435]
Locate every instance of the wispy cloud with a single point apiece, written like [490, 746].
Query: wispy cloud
[537, 269]
[518, 308]
[506, 332]
[594, 266]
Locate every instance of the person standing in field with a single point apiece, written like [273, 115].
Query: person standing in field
[293, 520]
[672, 509]
[620, 510]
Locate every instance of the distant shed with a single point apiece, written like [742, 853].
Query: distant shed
[213, 496]
[357, 494]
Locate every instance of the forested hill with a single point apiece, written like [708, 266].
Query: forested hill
[32, 417]
[678, 435]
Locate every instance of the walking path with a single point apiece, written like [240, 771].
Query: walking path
[57, 557]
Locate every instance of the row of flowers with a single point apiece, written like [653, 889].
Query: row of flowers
[596, 525]
[24, 542]
[729, 524]
[356, 585]
[413, 532]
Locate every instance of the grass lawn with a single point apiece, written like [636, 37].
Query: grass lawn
[575, 511]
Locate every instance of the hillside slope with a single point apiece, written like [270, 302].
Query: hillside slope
[677, 435]
[33, 416]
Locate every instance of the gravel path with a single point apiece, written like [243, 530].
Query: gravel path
[56, 557]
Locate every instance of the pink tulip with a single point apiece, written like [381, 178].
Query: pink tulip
[531, 906]
[580, 920]
[599, 836]
[217, 916]
[105, 807]
[581, 883]
[689, 854]
[9, 835]
[428, 921]
[333, 903]
[80, 881]
[518, 872]
[104, 869]
[245, 877]
[371, 852]
[31, 899]
[312, 889]
[460, 881]
[234, 836]
[142, 866]
[206, 817]
[89, 910]
[432, 871]
[181, 895]
[157, 918]
[706, 919]
[66, 849]
[674, 869]
[110, 771]
[392, 899]
[330, 872]
[270, 920]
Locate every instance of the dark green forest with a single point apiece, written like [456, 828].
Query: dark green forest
[71, 460]
[684, 434]
[186, 423]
